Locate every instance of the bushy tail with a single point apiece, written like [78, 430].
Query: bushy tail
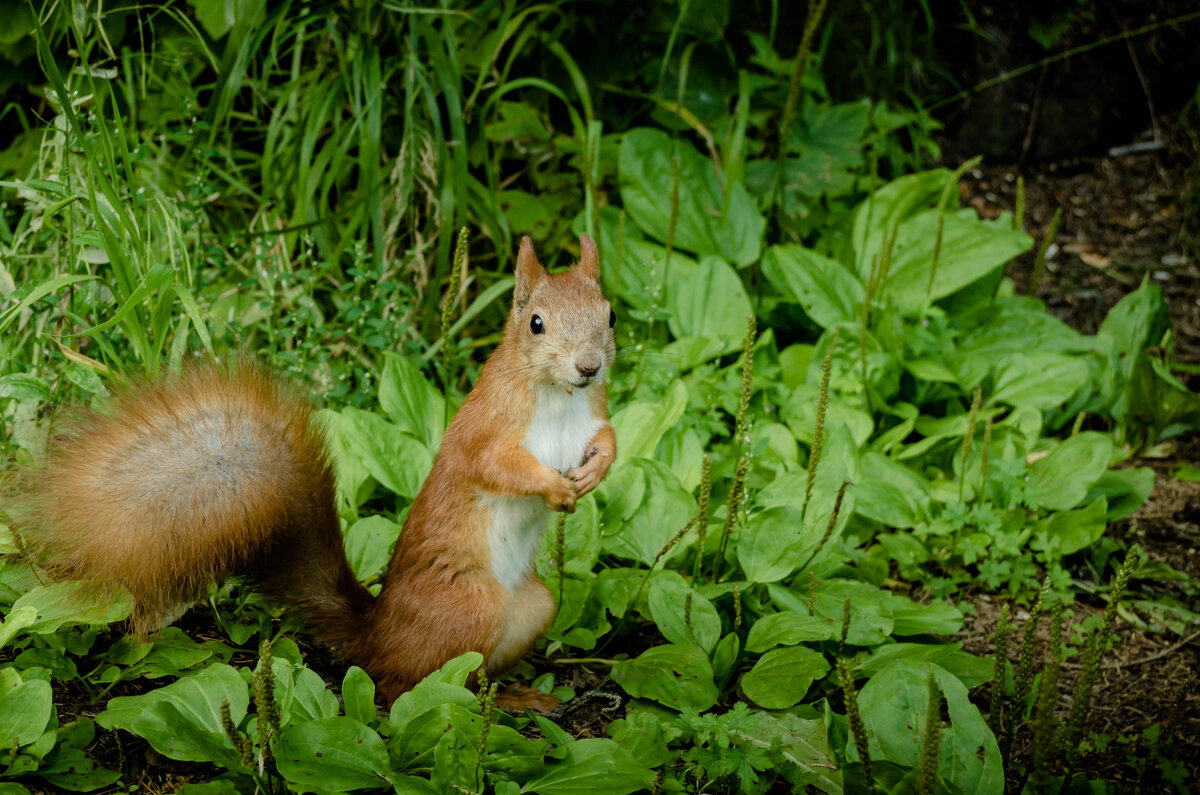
[185, 480]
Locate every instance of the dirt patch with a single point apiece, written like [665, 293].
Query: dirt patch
[1168, 525]
[1123, 219]
[1144, 723]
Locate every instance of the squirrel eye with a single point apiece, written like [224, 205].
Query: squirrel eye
[536, 325]
[612, 318]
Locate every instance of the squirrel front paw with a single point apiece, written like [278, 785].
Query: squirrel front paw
[561, 495]
[588, 475]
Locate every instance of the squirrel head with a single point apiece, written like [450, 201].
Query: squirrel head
[561, 322]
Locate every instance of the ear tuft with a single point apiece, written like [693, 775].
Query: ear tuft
[529, 272]
[589, 259]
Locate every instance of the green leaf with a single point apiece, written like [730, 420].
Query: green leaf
[218, 16]
[183, 719]
[870, 608]
[444, 686]
[802, 744]
[642, 734]
[360, 440]
[369, 543]
[1067, 532]
[971, 249]
[828, 140]
[15, 25]
[794, 361]
[350, 470]
[358, 694]
[1016, 325]
[894, 705]
[333, 754]
[455, 757]
[42, 290]
[687, 353]
[416, 746]
[1061, 480]
[910, 618]
[176, 734]
[16, 620]
[1125, 489]
[641, 275]
[64, 603]
[23, 387]
[710, 302]
[411, 401]
[582, 544]
[829, 292]
[972, 671]
[781, 677]
[513, 753]
[799, 411]
[704, 225]
[891, 493]
[678, 676]
[787, 629]
[662, 510]
[899, 198]
[683, 453]
[25, 712]
[72, 769]
[530, 214]
[309, 697]
[597, 766]
[667, 598]
[459, 669]
[1136, 322]
[640, 425]
[1039, 379]
[725, 656]
[774, 544]
[171, 653]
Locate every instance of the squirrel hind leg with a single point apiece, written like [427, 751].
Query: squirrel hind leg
[530, 613]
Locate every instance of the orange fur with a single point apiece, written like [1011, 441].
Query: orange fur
[222, 470]
[440, 584]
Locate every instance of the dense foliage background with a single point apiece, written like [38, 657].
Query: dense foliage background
[838, 421]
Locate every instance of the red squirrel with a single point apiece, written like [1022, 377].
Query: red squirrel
[222, 470]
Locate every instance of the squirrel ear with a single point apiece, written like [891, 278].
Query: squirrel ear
[529, 272]
[589, 260]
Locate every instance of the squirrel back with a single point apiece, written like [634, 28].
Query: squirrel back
[182, 481]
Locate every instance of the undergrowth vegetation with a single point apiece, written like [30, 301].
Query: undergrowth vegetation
[836, 421]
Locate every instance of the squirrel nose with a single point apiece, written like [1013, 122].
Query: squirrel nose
[588, 364]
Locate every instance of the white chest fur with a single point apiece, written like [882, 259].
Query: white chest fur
[558, 436]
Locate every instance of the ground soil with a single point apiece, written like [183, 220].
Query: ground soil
[1125, 217]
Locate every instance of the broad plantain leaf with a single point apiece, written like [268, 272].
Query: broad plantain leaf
[1061, 480]
[894, 707]
[829, 292]
[335, 754]
[649, 161]
[781, 677]
[597, 766]
[710, 302]
[678, 676]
